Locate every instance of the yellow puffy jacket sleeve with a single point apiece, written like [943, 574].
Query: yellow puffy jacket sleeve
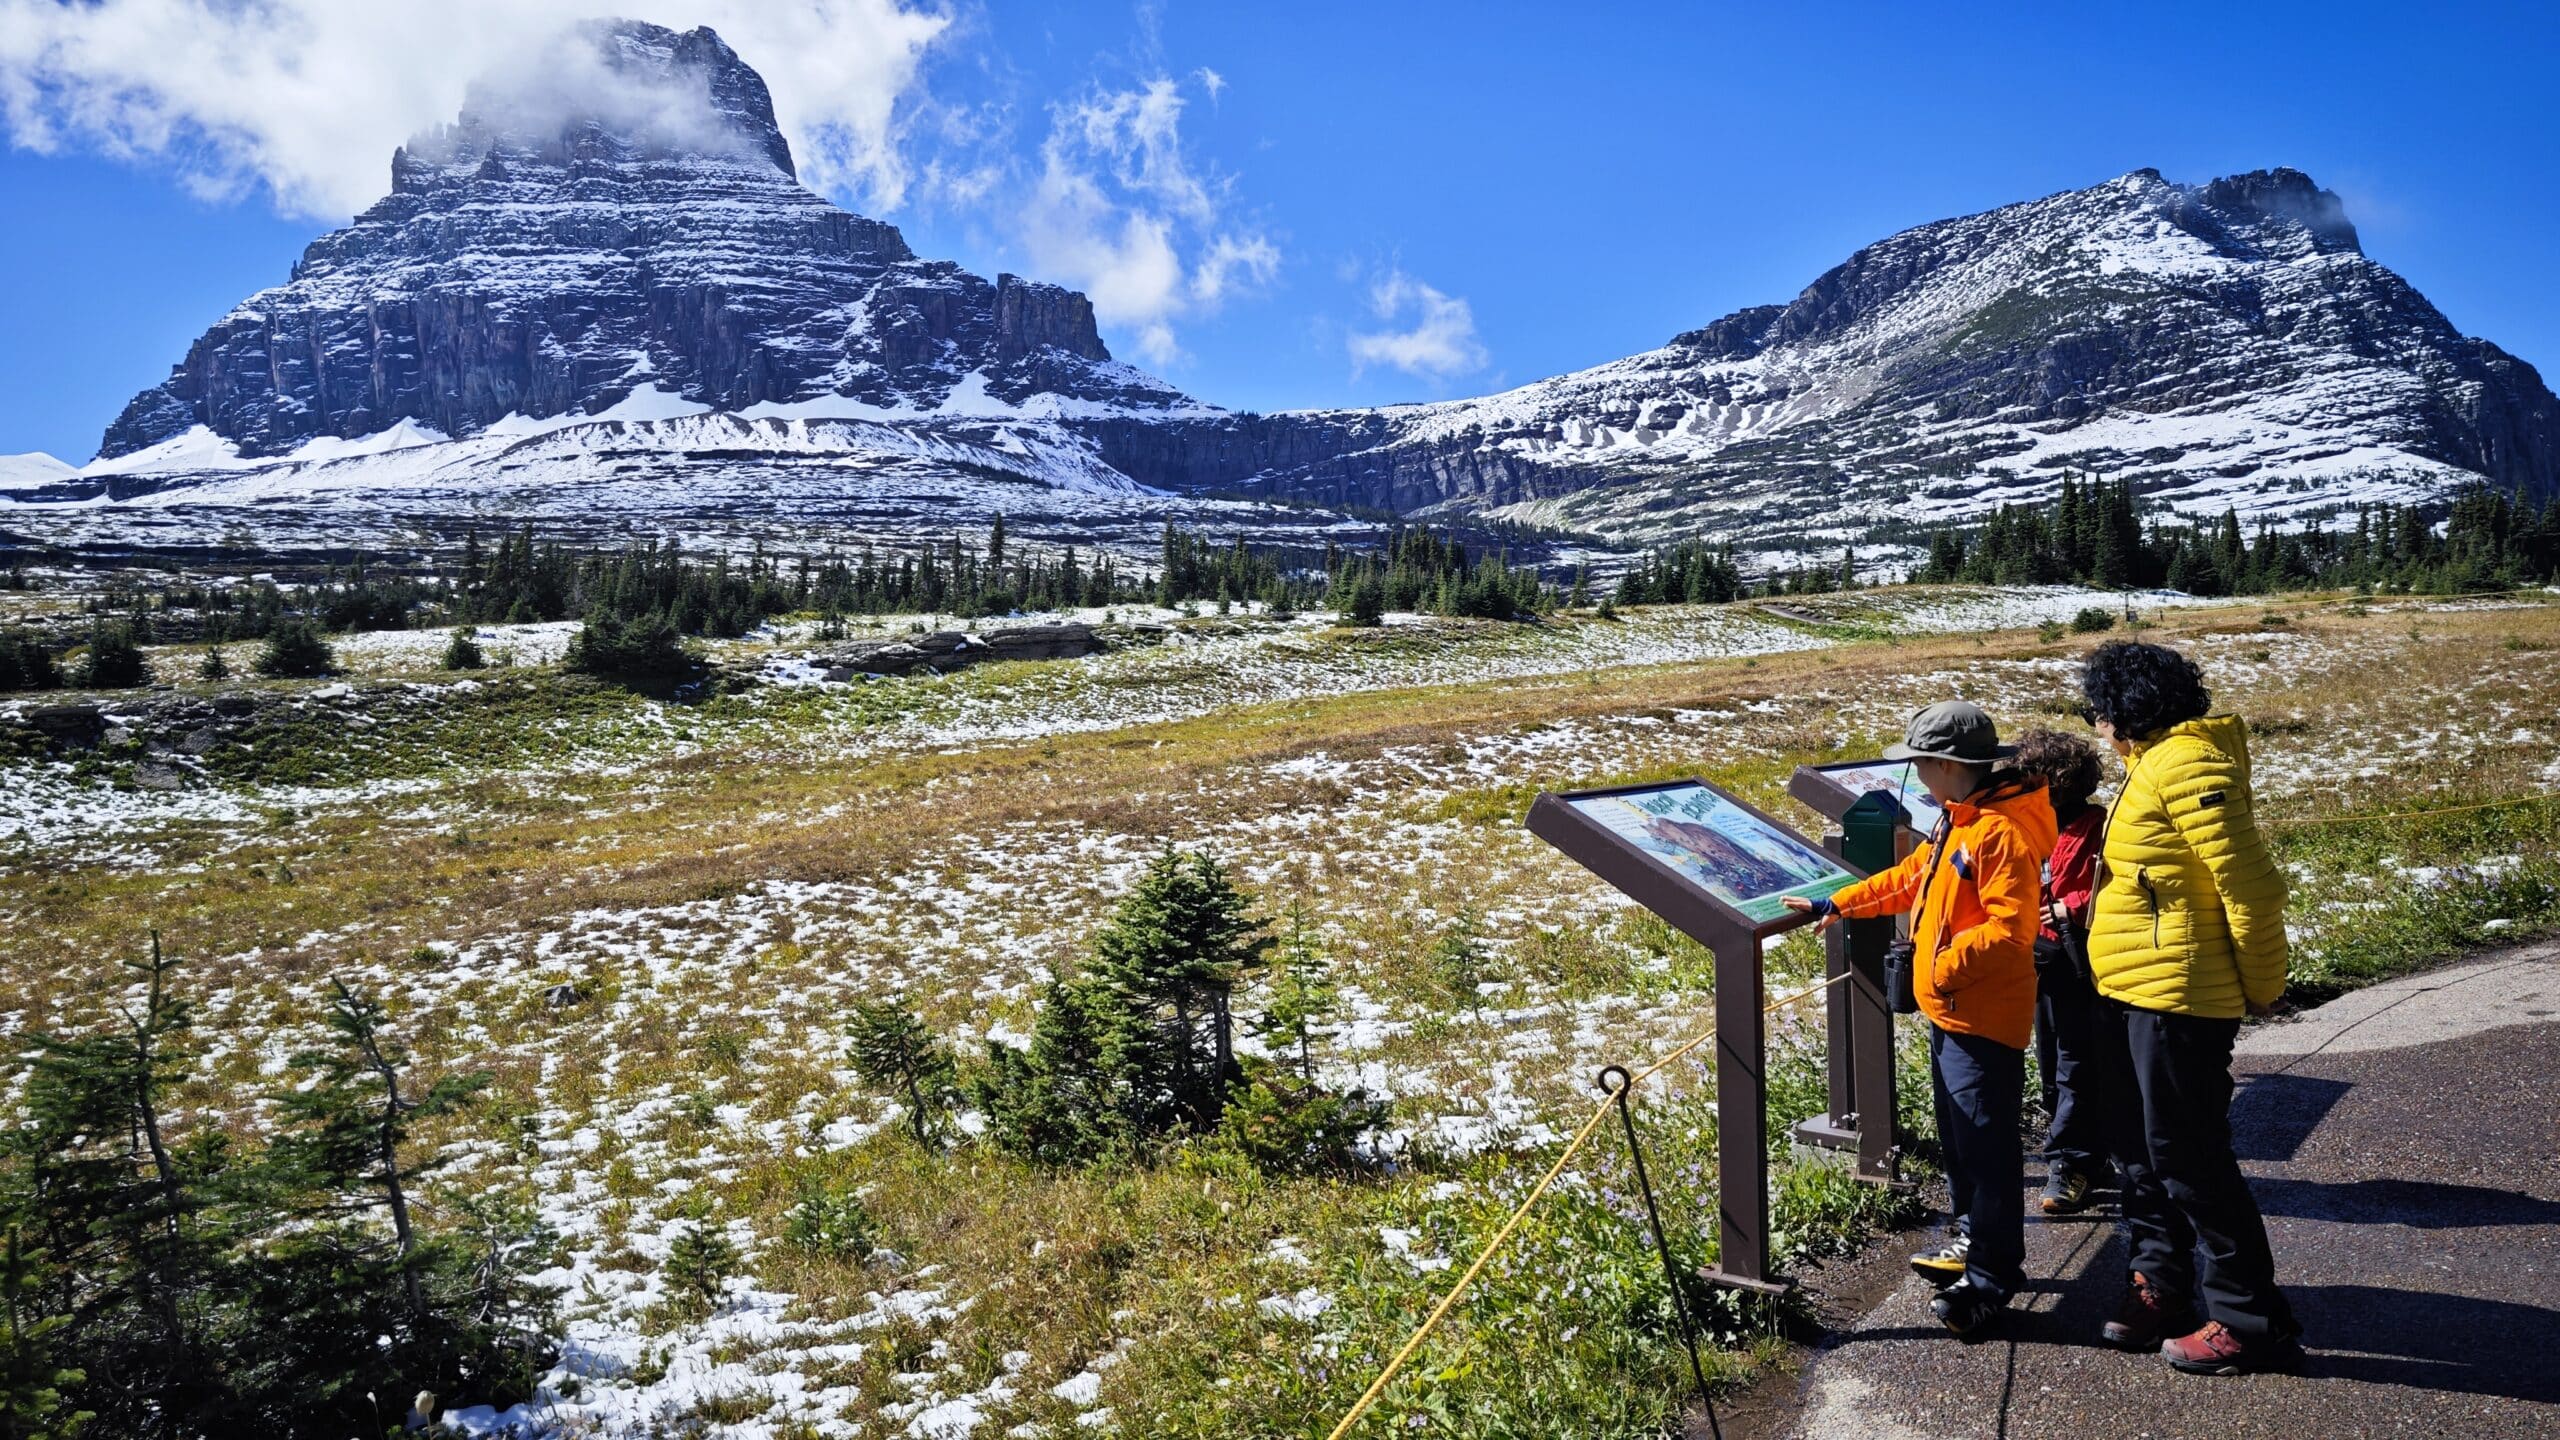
[2206, 794]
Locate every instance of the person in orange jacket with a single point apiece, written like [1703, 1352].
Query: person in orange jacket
[1975, 892]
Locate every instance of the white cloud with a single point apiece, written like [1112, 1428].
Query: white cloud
[1121, 211]
[1211, 81]
[1233, 260]
[1441, 343]
[308, 97]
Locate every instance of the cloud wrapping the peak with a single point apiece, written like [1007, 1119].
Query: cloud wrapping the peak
[1440, 344]
[308, 97]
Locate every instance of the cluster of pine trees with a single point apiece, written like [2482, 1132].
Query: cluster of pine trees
[165, 1279]
[1138, 1050]
[2093, 534]
[1431, 573]
[1691, 572]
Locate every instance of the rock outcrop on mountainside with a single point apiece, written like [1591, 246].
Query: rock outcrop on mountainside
[537, 260]
[632, 293]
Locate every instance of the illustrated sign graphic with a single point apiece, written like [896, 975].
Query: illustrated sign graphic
[1898, 778]
[1732, 854]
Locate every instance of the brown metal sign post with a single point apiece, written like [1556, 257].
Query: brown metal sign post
[1877, 807]
[1717, 870]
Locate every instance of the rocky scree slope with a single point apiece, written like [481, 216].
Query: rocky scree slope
[540, 259]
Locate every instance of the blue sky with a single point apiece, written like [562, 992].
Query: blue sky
[1336, 204]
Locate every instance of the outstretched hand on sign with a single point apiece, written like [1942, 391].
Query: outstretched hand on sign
[1829, 913]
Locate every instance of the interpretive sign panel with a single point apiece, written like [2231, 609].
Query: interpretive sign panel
[1832, 789]
[1719, 872]
[1716, 844]
[1691, 853]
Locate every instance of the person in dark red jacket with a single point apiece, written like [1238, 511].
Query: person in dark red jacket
[2075, 1149]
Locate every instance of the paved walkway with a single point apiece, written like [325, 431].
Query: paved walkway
[2404, 1142]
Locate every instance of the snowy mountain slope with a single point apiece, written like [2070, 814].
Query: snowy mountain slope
[2227, 343]
[653, 465]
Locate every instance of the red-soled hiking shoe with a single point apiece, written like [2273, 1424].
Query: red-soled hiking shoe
[2214, 1350]
[2147, 1316]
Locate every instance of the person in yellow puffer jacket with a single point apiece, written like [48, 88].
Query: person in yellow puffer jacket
[2186, 936]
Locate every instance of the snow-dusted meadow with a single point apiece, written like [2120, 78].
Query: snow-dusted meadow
[718, 881]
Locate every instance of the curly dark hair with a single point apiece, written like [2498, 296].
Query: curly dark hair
[2143, 689]
[2069, 766]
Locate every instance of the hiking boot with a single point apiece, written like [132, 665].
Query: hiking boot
[1943, 1264]
[1965, 1310]
[2066, 1192]
[2147, 1315]
[2214, 1350]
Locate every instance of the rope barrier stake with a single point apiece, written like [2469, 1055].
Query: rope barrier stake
[1662, 1246]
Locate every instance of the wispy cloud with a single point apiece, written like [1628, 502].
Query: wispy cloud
[1439, 344]
[308, 97]
[1122, 210]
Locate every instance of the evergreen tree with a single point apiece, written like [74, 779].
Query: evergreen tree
[892, 1047]
[462, 650]
[352, 1287]
[295, 650]
[25, 664]
[700, 1261]
[1058, 1102]
[115, 662]
[126, 1212]
[213, 667]
[1368, 603]
[830, 1221]
[1302, 992]
[645, 650]
[33, 1377]
[1461, 963]
[1168, 963]
[2111, 566]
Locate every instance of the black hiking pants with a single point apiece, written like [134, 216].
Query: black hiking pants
[1981, 1086]
[2075, 1090]
[2193, 1227]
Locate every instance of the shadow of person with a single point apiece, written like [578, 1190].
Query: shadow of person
[2273, 1114]
[2425, 1204]
[2450, 1344]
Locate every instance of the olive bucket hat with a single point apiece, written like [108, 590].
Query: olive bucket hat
[1952, 730]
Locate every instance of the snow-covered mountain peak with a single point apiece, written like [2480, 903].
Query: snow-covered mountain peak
[607, 92]
[616, 214]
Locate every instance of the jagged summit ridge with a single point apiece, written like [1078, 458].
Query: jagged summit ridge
[621, 218]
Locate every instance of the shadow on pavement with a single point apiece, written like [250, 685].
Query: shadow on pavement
[2273, 1114]
[2447, 1343]
[2423, 1203]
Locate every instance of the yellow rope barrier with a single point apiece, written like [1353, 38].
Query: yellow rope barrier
[1581, 1137]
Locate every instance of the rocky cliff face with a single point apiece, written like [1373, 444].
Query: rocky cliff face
[2226, 343]
[542, 259]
